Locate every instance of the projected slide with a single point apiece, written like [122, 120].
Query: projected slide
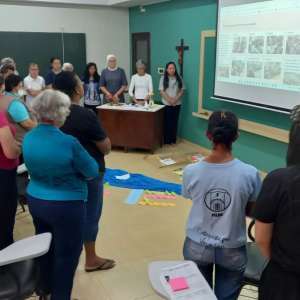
[258, 52]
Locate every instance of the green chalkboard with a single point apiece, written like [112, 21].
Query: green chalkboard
[39, 47]
[258, 115]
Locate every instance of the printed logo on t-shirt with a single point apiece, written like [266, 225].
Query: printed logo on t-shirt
[217, 201]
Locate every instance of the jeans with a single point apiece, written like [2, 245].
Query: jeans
[229, 264]
[93, 209]
[64, 219]
[171, 119]
[8, 206]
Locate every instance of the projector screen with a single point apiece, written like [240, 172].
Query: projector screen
[258, 53]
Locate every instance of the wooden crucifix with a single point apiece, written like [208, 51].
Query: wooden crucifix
[180, 49]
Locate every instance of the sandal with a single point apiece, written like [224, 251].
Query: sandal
[107, 265]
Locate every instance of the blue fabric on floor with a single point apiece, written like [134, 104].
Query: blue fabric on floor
[140, 182]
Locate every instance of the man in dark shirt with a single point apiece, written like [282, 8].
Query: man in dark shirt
[55, 69]
[83, 124]
[277, 215]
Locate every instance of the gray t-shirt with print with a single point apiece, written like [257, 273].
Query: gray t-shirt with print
[172, 90]
[220, 193]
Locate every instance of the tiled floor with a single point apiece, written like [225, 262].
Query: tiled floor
[132, 235]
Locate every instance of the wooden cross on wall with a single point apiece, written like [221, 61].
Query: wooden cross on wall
[180, 49]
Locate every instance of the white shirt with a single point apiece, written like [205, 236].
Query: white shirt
[140, 86]
[35, 84]
[172, 90]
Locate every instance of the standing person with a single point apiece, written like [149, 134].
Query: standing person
[55, 69]
[141, 86]
[83, 124]
[91, 84]
[277, 226]
[171, 88]
[17, 110]
[223, 190]
[59, 168]
[68, 67]
[9, 153]
[113, 81]
[33, 83]
[6, 70]
[10, 61]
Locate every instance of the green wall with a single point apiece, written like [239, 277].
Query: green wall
[168, 23]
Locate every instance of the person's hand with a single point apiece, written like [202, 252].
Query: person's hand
[172, 101]
[109, 96]
[115, 98]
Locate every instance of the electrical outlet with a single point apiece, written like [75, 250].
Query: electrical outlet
[160, 70]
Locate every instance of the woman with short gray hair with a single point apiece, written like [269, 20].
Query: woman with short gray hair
[52, 105]
[141, 86]
[59, 168]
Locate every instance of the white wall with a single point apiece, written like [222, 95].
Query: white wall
[106, 29]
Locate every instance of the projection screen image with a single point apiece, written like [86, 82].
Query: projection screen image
[258, 53]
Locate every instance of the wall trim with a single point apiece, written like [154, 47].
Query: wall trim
[270, 132]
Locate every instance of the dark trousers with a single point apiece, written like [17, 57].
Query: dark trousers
[171, 124]
[278, 284]
[93, 209]
[8, 206]
[64, 219]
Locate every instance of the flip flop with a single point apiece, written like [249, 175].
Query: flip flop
[107, 265]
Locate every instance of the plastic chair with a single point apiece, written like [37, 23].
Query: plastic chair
[154, 272]
[256, 262]
[18, 269]
[22, 182]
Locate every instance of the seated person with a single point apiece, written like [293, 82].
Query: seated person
[141, 86]
[17, 110]
[223, 190]
[33, 83]
[277, 226]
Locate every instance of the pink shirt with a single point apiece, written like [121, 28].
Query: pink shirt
[6, 163]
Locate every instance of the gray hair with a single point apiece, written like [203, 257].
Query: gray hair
[8, 60]
[140, 64]
[68, 67]
[51, 105]
[295, 114]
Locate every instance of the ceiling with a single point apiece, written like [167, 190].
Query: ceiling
[120, 3]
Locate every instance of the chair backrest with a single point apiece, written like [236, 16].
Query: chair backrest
[250, 228]
[26, 249]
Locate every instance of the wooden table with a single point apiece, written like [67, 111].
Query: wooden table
[133, 127]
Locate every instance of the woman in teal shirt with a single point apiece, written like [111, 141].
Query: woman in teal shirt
[59, 169]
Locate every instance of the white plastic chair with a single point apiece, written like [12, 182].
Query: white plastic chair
[155, 270]
[18, 270]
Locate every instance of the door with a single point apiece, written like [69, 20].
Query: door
[141, 50]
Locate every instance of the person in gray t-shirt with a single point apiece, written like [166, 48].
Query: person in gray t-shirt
[171, 88]
[113, 81]
[223, 190]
